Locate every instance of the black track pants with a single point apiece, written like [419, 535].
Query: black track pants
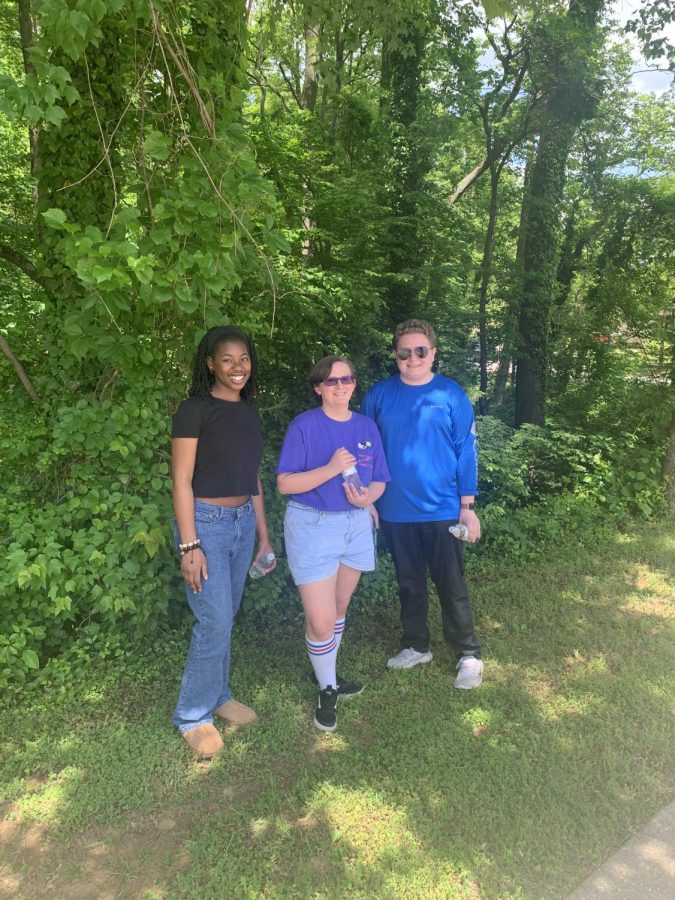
[414, 547]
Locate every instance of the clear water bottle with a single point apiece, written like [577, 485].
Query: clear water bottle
[460, 531]
[351, 476]
[260, 567]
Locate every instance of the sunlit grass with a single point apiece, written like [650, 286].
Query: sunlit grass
[514, 790]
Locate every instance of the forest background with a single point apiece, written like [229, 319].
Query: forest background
[315, 171]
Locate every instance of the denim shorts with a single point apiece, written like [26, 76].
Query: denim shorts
[317, 541]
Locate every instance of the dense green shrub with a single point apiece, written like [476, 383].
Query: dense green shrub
[520, 467]
[89, 561]
[538, 483]
[86, 515]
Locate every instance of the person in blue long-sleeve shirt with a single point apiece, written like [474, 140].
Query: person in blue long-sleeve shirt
[429, 436]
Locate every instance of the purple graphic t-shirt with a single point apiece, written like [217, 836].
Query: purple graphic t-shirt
[312, 439]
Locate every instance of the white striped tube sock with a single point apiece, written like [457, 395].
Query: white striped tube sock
[339, 631]
[322, 657]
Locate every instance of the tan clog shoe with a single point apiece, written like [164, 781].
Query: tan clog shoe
[236, 713]
[205, 740]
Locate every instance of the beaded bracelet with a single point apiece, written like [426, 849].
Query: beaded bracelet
[191, 545]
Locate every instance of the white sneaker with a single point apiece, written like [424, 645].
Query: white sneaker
[469, 673]
[408, 658]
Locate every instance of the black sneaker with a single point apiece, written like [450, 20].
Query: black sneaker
[346, 688]
[325, 715]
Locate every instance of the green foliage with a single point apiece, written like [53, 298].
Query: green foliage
[536, 483]
[97, 558]
[290, 172]
[651, 27]
[524, 466]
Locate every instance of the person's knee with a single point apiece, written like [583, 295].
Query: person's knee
[413, 592]
[218, 634]
[320, 629]
[216, 622]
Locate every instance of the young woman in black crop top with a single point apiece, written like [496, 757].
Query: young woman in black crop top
[218, 504]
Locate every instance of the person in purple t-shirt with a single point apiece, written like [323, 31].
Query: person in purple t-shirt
[328, 526]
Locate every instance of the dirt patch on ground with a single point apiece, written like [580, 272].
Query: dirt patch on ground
[140, 859]
[103, 864]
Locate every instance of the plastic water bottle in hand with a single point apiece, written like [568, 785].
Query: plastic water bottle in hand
[460, 531]
[351, 476]
[260, 567]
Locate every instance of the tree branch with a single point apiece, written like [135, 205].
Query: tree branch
[294, 93]
[18, 368]
[185, 69]
[17, 258]
[515, 90]
[265, 85]
[468, 181]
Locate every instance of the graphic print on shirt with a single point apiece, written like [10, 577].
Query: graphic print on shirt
[310, 442]
[364, 460]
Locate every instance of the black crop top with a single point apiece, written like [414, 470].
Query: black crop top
[229, 445]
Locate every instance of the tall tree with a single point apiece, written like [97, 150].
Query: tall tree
[572, 96]
[505, 123]
[409, 162]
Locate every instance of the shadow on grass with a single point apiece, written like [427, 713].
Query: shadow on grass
[517, 789]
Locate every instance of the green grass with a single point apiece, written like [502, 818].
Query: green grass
[515, 790]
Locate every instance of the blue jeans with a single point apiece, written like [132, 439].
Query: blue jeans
[227, 535]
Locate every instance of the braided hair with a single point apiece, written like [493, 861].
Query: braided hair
[203, 378]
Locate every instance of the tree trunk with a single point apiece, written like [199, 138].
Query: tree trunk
[669, 467]
[485, 272]
[27, 34]
[506, 356]
[308, 95]
[310, 80]
[86, 184]
[408, 166]
[385, 75]
[339, 66]
[540, 266]
[569, 103]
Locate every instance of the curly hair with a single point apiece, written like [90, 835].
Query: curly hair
[203, 378]
[414, 326]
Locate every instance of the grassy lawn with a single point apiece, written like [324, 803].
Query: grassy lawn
[517, 789]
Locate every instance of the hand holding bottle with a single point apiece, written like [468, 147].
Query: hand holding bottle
[342, 459]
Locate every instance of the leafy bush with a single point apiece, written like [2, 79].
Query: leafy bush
[86, 513]
[95, 569]
[538, 483]
[524, 466]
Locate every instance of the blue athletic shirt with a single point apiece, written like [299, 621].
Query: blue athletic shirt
[312, 439]
[429, 439]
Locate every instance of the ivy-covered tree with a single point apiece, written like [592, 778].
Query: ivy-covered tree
[568, 66]
[148, 214]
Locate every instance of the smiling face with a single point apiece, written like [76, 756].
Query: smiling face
[231, 369]
[335, 399]
[415, 369]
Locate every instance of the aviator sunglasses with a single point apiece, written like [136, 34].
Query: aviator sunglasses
[343, 379]
[405, 352]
